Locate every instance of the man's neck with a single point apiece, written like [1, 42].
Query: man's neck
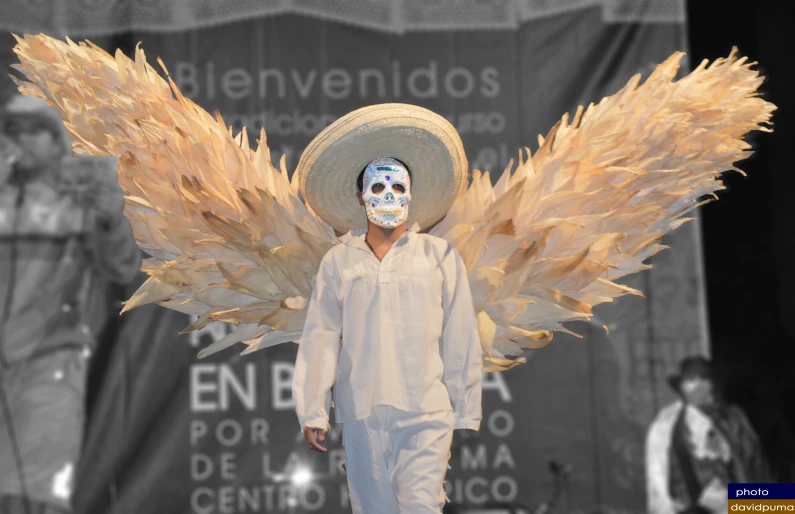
[380, 236]
[711, 409]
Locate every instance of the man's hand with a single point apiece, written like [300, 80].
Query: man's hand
[108, 201]
[94, 182]
[714, 497]
[309, 435]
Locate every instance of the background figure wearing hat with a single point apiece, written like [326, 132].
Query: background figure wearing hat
[391, 326]
[61, 224]
[699, 444]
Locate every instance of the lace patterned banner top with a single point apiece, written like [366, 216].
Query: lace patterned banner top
[105, 17]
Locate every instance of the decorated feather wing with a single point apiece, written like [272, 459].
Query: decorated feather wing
[548, 241]
[231, 241]
[229, 238]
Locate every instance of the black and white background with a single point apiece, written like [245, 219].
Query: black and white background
[167, 433]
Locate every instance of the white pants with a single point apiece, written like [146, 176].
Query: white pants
[396, 461]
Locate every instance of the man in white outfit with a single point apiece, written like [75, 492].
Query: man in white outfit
[391, 329]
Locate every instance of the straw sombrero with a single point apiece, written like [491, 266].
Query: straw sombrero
[426, 142]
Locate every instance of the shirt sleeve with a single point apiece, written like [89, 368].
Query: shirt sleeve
[318, 351]
[461, 350]
[753, 460]
[658, 443]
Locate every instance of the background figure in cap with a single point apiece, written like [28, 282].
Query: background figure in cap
[61, 227]
[391, 327]
[699, 444]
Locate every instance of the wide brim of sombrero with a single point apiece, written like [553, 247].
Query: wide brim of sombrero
[426, 142]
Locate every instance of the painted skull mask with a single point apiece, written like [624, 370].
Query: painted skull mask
[386, 192]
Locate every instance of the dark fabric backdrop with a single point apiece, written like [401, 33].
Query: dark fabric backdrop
[748, 235]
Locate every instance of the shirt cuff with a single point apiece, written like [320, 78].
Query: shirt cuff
[468, 424]
[319, 422]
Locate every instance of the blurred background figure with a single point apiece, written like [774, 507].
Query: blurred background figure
[61, 222]
[699, 444]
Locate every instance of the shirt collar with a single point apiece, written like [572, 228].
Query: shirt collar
[356, 236]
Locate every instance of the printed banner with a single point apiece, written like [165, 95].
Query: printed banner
[248, 454]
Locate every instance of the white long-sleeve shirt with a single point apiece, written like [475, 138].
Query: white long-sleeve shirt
[399, 332]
